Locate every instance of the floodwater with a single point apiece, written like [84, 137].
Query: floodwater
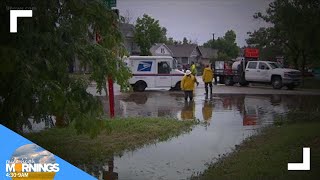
[226, 120]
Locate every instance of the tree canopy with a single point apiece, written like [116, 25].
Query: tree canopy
[295, 29]
[148, 32]
[35, 82]
[263, 39]
[226, 46]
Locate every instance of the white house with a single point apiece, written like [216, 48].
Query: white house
[160, 50]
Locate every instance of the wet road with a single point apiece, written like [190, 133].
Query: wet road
[129, 104]
[227, 119]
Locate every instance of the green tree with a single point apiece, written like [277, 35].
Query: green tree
[176, 42]
[148, 32]
[35, 82]
[296, 28]
[163, 38]
[226, 46]
[185, 41]
[170, 41]
[264, 39]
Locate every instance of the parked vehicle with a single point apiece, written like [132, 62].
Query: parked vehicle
[154, 72]
[221, 69]
[251, 70]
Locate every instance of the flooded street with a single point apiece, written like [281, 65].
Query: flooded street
[225, 121]
[227, 118]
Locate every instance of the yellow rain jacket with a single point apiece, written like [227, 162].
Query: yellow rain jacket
[207, 75]
[187, 83]
[193, 69]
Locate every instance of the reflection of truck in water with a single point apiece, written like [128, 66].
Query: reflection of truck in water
[154, 72]
[254, 110]
[251, 70]
[149, 105]
[261, 110]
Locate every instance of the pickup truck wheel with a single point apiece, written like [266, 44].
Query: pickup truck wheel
[291, 86]
[244, 83]
[139, 86]
[277, 82]
[229, 81]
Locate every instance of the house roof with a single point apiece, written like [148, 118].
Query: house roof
[156, 46]
[208, 52]
[182, 50]
[127, 30]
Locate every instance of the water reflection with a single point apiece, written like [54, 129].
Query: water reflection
[207, 110]
[110, 174]
[227, 121]
[254, 110]
[188, 111]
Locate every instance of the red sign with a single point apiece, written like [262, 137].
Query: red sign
[251, 53]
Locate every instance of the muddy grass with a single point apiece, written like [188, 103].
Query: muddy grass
[266, 156]
[122, 134]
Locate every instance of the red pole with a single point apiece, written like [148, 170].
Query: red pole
[111, 96]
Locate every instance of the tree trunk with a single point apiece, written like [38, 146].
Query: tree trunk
[60, 121]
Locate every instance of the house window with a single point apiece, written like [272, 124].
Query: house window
[184, 60]
[162, 51]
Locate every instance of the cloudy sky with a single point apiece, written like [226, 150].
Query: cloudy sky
[198, 19]
[35, 152]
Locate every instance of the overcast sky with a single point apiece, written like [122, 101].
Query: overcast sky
[198, 19]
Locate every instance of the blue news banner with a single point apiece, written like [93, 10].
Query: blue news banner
[23, 159]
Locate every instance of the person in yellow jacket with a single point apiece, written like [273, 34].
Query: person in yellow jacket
[207, 78]
[193, 69]
[187, 85]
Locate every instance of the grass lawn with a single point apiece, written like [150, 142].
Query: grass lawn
[266, 156]
[123, 134]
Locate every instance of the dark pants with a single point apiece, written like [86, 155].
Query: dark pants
[188, 94]
[206, 87]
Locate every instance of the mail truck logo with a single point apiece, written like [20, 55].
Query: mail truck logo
[30, 161]
[145, 66]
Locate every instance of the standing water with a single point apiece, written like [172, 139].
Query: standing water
[226, 120]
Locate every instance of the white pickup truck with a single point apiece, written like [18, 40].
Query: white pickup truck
[154, 72]
[266, 72]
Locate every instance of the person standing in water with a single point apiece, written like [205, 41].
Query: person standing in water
[207, 78]
[187, 85]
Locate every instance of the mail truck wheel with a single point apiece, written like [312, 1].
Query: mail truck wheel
[139, 86]
[177, 87]
[229, 81]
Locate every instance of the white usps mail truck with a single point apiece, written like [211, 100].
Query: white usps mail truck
[154, 72]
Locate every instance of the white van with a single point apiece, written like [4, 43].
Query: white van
[154, 72]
